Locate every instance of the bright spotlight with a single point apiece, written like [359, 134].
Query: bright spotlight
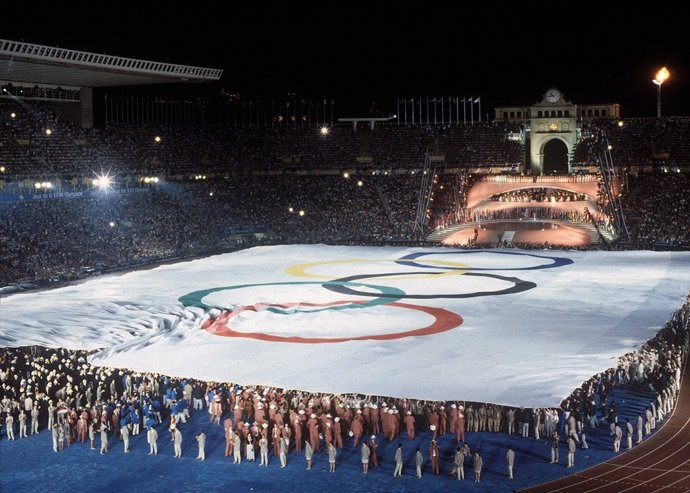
[2, 169]
[620, 123]
[13, 115]
[360, 183]
[155, 179]
[47, 184]
[324, 130]
[48, 131]
[346, 175]
[291, 210]
[157, 139]
[102, 181]
[147, 179]
[37, 185]
[111, 224]
[301, 213]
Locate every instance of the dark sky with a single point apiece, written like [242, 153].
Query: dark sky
[357, 52]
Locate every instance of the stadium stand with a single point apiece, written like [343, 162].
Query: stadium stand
[221, 187]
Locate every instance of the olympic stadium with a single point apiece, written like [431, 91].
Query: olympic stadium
[286, 253]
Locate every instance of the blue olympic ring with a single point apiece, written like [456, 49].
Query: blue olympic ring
[408, 260]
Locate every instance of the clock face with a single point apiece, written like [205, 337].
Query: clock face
[553, 96]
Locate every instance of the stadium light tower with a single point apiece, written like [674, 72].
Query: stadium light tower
[661, 76]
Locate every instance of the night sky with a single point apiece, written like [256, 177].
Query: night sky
[359, 52]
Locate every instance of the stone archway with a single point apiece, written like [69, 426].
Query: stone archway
[555, 157]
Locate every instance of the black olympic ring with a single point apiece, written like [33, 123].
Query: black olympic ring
[519, 286]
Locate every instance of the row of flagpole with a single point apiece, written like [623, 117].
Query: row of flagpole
[426, 110]
[295, 112]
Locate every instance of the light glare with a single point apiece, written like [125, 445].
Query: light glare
[661, 76]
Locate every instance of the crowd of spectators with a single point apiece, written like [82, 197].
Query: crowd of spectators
[269, 184]
[656, 209]
[43, 239]
[636, 142]
[37, 143]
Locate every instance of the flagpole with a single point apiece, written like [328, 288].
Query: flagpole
[457, 110]
[479, 100]
[464, 111]
[450, 110]
[412, 111]
[471, 110]
[443, 116]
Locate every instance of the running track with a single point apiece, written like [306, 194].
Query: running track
[659, 464]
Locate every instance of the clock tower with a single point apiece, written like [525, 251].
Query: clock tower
[552, 133]
[551, 129]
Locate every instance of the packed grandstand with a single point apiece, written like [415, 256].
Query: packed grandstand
[170, 191]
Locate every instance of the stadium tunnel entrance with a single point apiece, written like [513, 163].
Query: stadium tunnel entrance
[555, 157]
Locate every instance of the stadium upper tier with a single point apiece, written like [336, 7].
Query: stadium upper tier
[37, 143]
[27, 150]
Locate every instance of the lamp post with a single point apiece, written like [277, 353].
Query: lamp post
[661, 76]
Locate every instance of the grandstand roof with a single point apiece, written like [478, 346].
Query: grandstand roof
[39, 64]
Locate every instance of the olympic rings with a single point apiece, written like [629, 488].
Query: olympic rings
[387, 295]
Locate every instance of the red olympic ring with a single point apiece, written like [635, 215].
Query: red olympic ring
[444, 320]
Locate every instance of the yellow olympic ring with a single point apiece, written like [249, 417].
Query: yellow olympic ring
[300, 270]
